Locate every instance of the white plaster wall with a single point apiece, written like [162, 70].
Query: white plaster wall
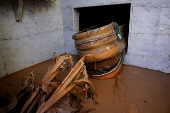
[149, 37]
[32, 41]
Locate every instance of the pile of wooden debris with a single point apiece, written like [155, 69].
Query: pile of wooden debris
[51, 96]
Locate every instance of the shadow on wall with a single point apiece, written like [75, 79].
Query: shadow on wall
[37, 6]
[20, 41]
[33, 6]
[32, 9]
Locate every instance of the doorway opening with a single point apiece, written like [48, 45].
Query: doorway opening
[98, 16]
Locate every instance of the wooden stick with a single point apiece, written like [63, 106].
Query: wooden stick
[63, 85]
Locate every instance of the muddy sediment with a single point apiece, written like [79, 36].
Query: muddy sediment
[135, 90]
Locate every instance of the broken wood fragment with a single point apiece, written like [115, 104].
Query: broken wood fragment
[49, 93]
[63, 85]
[17, 7]
[30, 100]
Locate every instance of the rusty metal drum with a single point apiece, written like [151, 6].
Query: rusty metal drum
[103, 51]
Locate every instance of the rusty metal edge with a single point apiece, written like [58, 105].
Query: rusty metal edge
[113, 73]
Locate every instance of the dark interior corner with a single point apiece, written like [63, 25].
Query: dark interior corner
[99, 16]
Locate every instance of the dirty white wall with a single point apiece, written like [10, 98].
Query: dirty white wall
[149, 37]
[34, 39]
[46, 28]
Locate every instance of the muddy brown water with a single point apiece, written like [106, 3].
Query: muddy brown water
[135, 90]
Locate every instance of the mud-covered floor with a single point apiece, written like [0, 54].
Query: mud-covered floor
[137, 90]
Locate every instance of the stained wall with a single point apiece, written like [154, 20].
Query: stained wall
[149, 35]
[26, 43]
[48, 27]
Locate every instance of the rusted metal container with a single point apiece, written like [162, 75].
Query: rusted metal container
[96, 42]
[112, 72]
[101, 66]
[104, 52]
[91, 33]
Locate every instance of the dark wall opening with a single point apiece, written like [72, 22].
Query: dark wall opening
[102, 15]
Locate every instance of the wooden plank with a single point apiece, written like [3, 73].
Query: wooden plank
[17, 7]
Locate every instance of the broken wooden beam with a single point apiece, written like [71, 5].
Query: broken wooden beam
[17, 7]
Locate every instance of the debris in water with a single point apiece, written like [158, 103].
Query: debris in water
[51, 96]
